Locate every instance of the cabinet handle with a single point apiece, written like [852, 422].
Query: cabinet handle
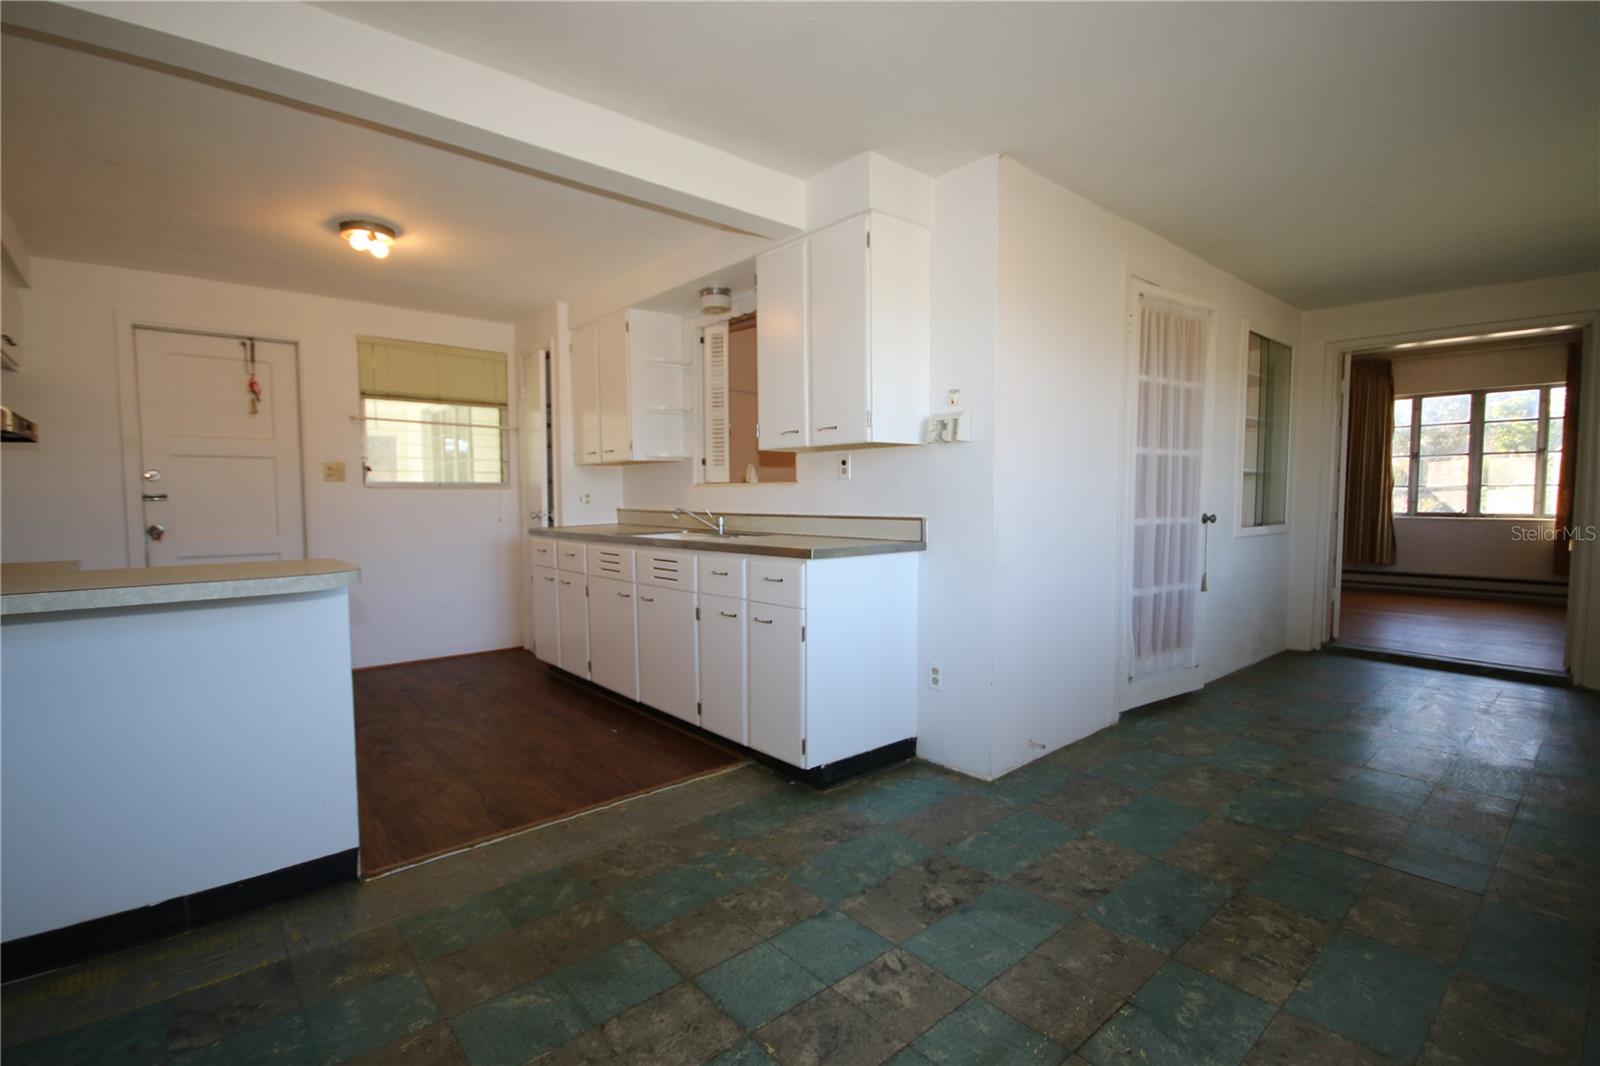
[824, 429]
[719, 573]
[549, 579]
[611, 451]
[786, 432]
[568, 583]
[625, 595]
[774, 580]
[591, 453]
[763, 621]
[647, 599]
[728, 614]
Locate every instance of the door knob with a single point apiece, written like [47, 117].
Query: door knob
[152, 475]
[155, 531]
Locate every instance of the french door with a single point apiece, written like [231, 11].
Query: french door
[1170, 345]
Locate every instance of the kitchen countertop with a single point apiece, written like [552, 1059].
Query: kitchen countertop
[786, 545]
[38, 588]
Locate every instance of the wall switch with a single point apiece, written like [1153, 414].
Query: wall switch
[952, 398]
[333, 471]
[844, 468]
[935, 676]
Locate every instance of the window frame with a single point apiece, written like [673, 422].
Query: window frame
[505, 440]
[1475, 454]
[1277, 336]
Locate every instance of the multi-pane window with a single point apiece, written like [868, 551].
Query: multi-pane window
[1264, 493]
[433, 415]
[1495, 452]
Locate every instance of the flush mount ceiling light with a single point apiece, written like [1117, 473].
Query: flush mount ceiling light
[716, 299]
[374, 238]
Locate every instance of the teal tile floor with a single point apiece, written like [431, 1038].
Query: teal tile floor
[1315, 860]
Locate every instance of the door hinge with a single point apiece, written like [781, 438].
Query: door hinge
[869, 419]
[802, 634]
[697, 614]
[589, 665]
[699, 710]
[869, 238]
[586, 589]
[802, 745]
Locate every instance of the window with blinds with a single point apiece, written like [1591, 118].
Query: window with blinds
[433, 415]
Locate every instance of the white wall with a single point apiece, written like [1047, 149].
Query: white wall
[951, 485]
[1330, 332]
[1475, 547]
[433, 561]
[1064, 271]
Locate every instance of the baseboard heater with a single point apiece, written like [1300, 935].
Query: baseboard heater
[1523, 590]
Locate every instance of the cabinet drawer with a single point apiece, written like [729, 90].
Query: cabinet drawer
[779, 582]
[670, 570]
[570, 556]
[544, 551]
[722, 575]
[610, 562]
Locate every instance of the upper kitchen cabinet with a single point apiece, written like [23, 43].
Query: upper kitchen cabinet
[843, 320]
[631, 387]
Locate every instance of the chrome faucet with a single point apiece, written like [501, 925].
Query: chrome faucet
[717, 526]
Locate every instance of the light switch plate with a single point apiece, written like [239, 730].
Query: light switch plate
[333, 471]
[844, 468]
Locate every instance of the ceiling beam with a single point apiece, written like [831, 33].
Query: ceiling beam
[316, 58]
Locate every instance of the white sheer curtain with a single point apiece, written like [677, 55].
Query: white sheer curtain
[1166, 489]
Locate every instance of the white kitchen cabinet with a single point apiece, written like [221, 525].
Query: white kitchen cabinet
[777, 711]
[547, 615]
[724, 677]
[572, 593]
[586, 395]
[639, 404]
[783, 394]
[613, 636]
[668, 674]
[861, 374]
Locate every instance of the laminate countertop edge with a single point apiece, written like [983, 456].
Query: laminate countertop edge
[29, 590]
[782, 545]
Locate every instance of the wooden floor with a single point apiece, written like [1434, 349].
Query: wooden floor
[1528, 635]
[453, 752]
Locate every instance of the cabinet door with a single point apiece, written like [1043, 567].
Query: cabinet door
[840, 323]
[722, 667]
[781, 389]
[778, 682]
[546, 615]
[616, 444]
[613, 636]
[585, 395]
[574, 608]
[668, 666]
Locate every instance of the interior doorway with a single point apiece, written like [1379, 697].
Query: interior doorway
[1457, 492]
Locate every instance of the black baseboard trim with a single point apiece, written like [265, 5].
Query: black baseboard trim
[819, 777]
[1525, 674]
[28, 955]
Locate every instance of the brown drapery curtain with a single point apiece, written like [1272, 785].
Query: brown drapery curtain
[1569, 460]
[1369, 478]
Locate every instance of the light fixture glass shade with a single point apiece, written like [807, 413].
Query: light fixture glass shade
[373, 238]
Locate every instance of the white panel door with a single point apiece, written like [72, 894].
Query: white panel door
[723, 675]
[781, 324]
[546, 615]
[585, 396]
[668, 664]
[611, 345]
[221, 472]
[777, 682]
[840, 367]
[613, 636]
[573, 592]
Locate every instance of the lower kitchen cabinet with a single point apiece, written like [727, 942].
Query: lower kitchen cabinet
[777, 681]
[723, 667]
[546, 615]
[573, 603]
[668, 676]
[613, 636]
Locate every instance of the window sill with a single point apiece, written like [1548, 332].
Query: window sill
[1261, 531]
[434, 485]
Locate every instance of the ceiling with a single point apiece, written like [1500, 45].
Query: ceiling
[110, 162]
[1327, 152]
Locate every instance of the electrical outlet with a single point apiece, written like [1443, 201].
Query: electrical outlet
[935, 676]
[952, 398]
[844, 468]
[333, 471]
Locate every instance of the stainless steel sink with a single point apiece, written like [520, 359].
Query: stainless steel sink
[691, 534]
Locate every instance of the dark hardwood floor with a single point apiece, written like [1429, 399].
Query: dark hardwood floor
[1530, 635]
[453, 752]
